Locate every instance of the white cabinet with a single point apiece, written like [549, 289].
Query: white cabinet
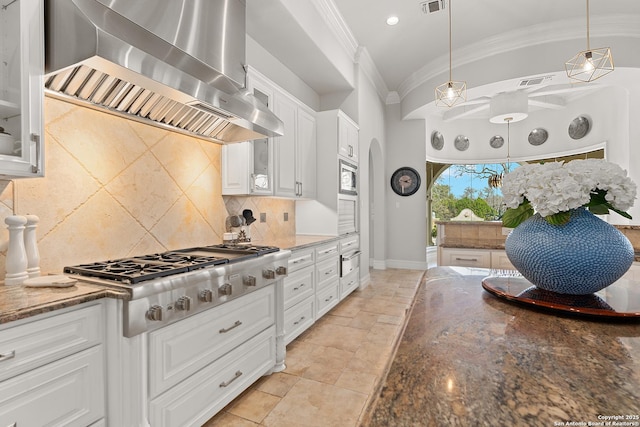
[295, 151]
[283, 166]
[478, 258]
[347, 137]
[247, 168]
[22, 88]
[331, 212]
[299, 293]
[198, 365]
[52, 370]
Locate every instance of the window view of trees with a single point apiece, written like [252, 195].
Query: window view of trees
[485, 201]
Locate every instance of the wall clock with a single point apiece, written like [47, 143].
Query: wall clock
[405, 181]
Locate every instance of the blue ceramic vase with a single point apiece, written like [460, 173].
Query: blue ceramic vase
[580, 257]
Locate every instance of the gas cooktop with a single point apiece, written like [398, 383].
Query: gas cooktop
[147, 267]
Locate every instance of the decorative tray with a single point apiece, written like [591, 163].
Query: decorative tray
[620, 300]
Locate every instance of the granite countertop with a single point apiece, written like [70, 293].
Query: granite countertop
[299, 241]
[19, 302]
[468, 358]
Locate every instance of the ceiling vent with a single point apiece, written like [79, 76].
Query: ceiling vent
[432, 6]
[534, 81]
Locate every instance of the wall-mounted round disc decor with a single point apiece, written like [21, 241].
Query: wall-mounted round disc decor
[437, 140]
[496, 141]
[579, 127]
[461, 142]
[538, 136]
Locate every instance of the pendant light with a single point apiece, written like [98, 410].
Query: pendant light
[590, 64]
[450, 93]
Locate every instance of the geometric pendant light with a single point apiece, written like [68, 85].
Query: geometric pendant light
[590, 64]
[450, 93]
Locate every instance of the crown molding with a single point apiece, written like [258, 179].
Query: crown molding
[329, 11]
[369, 69]
[601, 27]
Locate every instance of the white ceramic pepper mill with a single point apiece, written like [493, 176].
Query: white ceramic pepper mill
[16, 254]
[31, 246]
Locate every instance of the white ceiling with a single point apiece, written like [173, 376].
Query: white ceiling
[417, 48]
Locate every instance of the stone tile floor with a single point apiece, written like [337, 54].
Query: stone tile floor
[335, 367]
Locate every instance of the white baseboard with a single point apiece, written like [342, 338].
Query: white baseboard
[407, 265]
[378, 264]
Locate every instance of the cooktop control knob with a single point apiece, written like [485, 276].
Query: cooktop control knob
[183, 303]
[154, 313]
[205, 295]
[281, 271]
[269, 274]
[249, 280]
[225, 289]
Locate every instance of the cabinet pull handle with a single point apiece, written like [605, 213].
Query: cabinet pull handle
[6, 356]
[329, 299]
[298, 287]
[466, 259]
[235, 325]
[298, 321]
[237, 375]
[328, 272]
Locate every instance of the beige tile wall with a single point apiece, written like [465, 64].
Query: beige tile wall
[116, 188]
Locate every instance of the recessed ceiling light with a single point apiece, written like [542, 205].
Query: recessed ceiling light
[392, 20]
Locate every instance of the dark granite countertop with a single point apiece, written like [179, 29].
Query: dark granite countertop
[468, 358]
[19, 302]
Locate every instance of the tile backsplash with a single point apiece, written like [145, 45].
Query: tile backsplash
[115, 187]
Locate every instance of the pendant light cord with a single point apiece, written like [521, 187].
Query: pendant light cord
[588, 45]
[450, 66]
[508, 145]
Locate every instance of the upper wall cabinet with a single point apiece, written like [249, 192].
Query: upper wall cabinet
[347, 137]
[21, 88]
[283, 166]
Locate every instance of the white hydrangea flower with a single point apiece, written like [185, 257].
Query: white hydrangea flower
[558, 187]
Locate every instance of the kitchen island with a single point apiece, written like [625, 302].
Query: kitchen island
[468, 358]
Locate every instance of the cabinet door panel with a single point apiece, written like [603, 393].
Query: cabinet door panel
[69, 392]
[306, 154]
[285, 148]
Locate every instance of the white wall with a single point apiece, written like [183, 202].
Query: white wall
[405, 216]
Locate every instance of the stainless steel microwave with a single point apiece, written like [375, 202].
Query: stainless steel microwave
[348, 178]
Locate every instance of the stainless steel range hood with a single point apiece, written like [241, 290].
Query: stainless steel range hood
[177, 64]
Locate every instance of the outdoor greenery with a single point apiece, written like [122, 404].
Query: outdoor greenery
[486, 203]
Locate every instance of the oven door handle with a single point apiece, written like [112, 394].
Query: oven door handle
[350, 257]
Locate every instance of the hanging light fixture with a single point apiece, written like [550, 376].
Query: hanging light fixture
[590, 64]
[450, 93]
[495, 180]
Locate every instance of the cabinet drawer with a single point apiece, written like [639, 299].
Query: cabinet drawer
[349, 244]
[327, 270]
[349, 283]
[298, 286]
[194, 401]
[68, 392]
[326, 251]
[301, 259]
[181, 349]
[298, 319]
[327, 298]
[34, 344]
[466, 257]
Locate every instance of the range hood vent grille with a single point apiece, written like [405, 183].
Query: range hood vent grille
[86, 84]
